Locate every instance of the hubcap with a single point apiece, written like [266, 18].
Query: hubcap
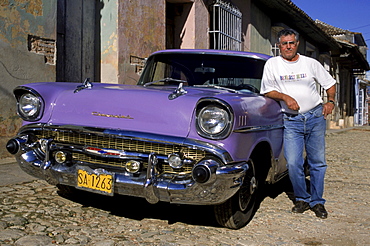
[253, 185]
[246, 191]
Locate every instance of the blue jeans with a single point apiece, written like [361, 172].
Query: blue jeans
[306, 131]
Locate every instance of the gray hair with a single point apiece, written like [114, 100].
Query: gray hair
[286, 32]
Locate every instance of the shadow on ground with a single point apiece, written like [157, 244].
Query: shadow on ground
[139, 209]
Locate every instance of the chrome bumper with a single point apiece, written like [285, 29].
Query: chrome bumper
[224, 177]
[182, 190]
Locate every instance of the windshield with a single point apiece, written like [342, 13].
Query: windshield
[234, 72]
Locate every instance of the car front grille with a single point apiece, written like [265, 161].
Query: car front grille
[121, 144]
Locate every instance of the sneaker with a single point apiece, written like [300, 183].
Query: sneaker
[320, 211]
[300, 207]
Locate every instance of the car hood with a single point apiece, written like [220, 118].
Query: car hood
[132, 108]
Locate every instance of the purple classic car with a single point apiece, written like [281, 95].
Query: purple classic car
[194, 130]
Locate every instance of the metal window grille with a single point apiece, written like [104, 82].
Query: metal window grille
[226, 26]
[275, 50]
[360, 107]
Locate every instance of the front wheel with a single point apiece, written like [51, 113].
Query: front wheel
[237, 211]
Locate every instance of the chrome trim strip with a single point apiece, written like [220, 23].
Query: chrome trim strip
[259, 128]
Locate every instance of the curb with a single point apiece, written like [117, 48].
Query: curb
[335, 131]
[7, 160]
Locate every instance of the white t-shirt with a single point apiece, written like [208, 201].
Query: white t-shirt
[296, 79]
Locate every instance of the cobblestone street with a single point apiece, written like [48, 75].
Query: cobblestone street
[33, 213]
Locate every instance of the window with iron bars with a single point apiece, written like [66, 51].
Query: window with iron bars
[275, 51]
[226, 26]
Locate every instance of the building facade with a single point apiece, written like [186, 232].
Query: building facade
[109, 40]
[27, 54]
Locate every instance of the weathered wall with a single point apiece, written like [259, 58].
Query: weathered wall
[260, 31]
[109, 41]
[245, 7]
[26, 27]
[141, 31]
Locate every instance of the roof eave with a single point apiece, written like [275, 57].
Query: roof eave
[286, 11]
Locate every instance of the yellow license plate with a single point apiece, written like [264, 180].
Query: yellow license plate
[100, 183]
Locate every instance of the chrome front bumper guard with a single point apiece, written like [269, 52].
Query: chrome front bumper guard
[223, 182]
[153, 187]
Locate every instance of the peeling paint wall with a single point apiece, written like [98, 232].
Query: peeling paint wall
[109, 41]
[19, 63]
[141, 31]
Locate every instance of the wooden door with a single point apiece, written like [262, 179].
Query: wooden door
[78, 40]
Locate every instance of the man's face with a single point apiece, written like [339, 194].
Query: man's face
[288, 47]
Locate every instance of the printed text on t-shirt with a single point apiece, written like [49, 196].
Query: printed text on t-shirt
[293, 77]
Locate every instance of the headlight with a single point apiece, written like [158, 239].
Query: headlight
[29, 106]
[214, 121]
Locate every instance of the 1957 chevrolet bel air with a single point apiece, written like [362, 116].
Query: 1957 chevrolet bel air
[194, 130]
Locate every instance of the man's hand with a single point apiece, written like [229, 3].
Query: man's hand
[289, 101]
[327, 109]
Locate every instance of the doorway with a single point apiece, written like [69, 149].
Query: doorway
[78, 40]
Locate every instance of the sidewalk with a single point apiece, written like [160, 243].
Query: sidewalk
[333, 131]
[11, 173]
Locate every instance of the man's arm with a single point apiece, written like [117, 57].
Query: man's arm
[289, 101]
[328, 107]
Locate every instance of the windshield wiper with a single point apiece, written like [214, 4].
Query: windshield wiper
[218, 87]
[165, 80]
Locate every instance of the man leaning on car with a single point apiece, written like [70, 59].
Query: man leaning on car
[291, 79]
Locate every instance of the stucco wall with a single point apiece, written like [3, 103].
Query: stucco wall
[260, 31]
[18, 64]
[202, 25]
[244, 7]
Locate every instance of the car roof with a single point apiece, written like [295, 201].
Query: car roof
[214, 52]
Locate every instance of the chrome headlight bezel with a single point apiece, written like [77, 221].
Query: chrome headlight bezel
[30, 105]
[214, 119]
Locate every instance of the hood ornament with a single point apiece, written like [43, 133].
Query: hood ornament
[178, 92]
[85, 85]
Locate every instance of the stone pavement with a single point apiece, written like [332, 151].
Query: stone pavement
[33, 213]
